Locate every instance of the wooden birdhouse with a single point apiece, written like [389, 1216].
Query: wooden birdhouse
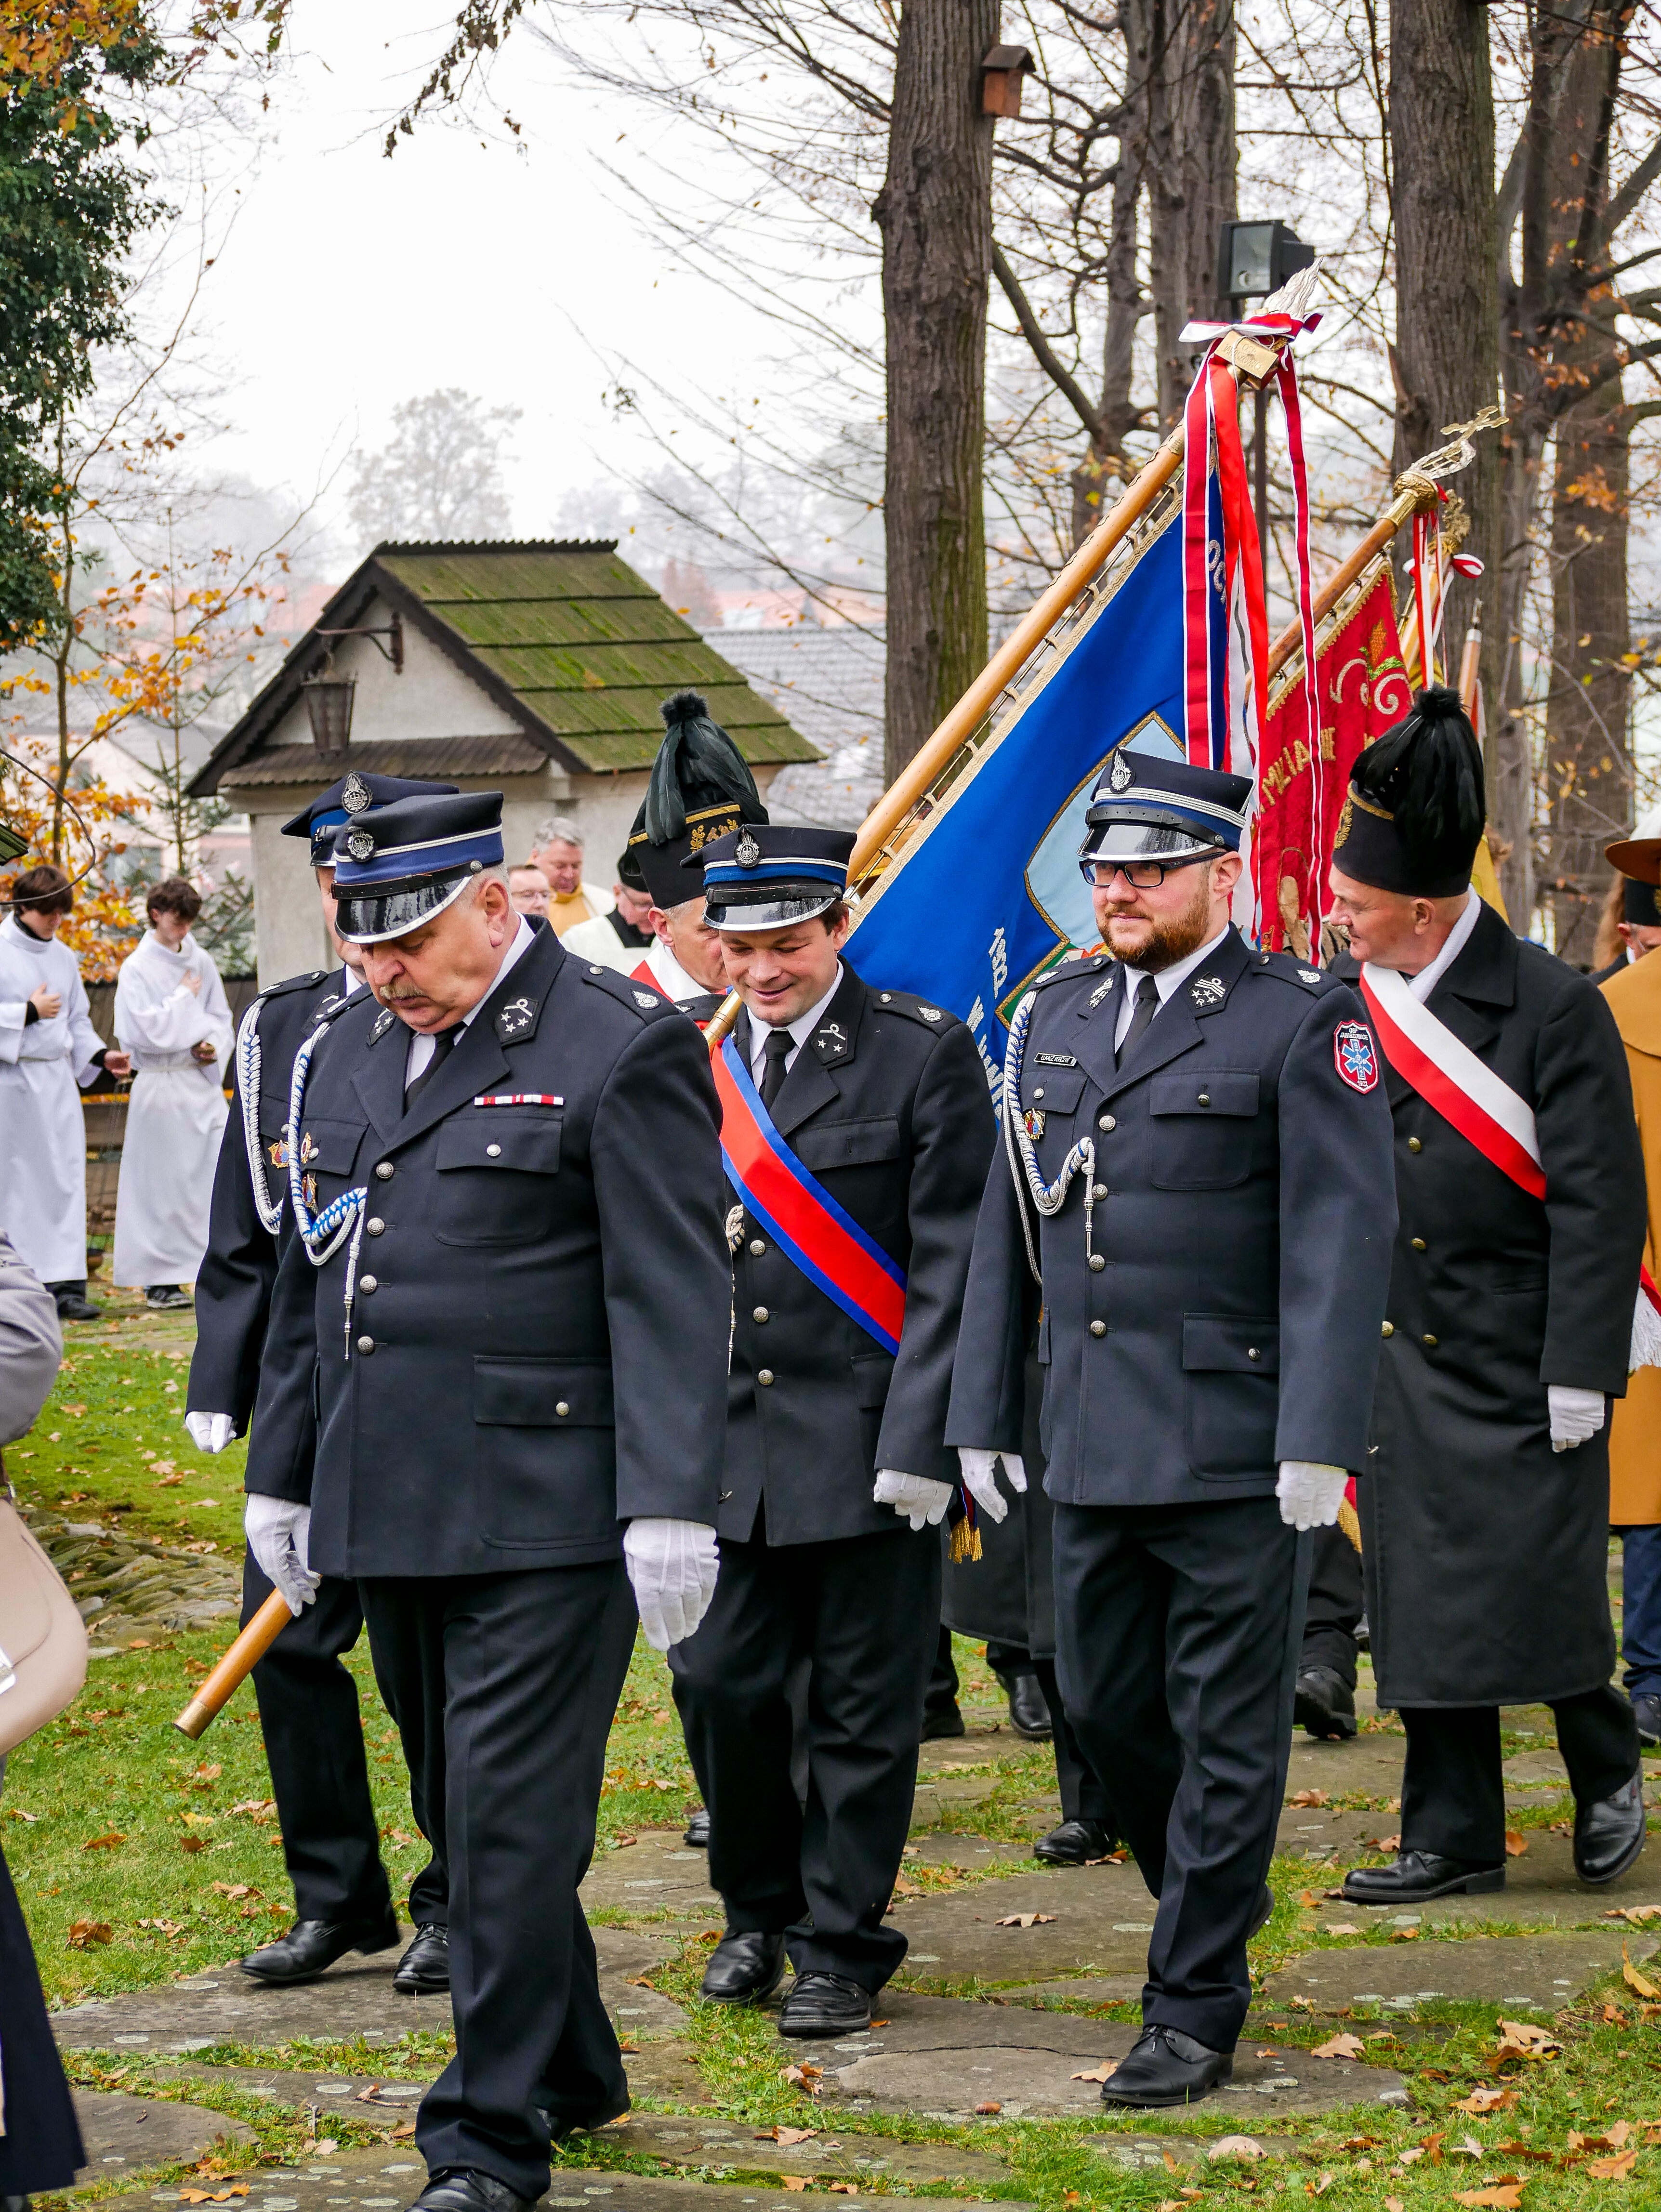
[1001, 79]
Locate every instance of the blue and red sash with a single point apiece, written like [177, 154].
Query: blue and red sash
[801, 1215]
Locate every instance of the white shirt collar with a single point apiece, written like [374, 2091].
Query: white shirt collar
[800, 1029]
[1167, 980]
[1426, 981]
[422, 1047]
[354, 981]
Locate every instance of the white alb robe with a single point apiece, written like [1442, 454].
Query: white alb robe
[177, 1112]
[43, 1137]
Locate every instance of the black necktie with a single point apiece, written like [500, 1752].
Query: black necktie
[779, 1044]
[1147, 1004]
[443, 1045]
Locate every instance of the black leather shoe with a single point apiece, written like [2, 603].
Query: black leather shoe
[465, 2189]
[73, 1304]
[947, 1721]
[424, 1969]
[311, 1947]
[1608, 1833]
[697, 1830]
[561, 2131]
[1325, 1704]
[1075, 1843]
[1264, 1914]
[1165, 2067]
[1029, 1714]
[1646, 1711]
[824, 2004]
[744, 1967]
[1414, 1877]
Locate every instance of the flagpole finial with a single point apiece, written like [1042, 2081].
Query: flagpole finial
[1297, 295]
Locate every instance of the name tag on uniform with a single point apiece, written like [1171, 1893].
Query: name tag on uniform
[517, 1098]
[1055, 1060]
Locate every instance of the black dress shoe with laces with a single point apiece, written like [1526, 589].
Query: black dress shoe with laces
[1165, 2067]
[1609, 1833]
[1325, 1704]
[73, 1304]
[467, 2188]
[1029, 1713]
[1075, 1843]
[697, 1829]
[744, 1967]
[311, 1947]
[1414, 1877]
[424, 1969]
[943, 1720]
[824, 2004]
[1646, 1711]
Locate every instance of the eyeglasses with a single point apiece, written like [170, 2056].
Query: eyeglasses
[1141, 875]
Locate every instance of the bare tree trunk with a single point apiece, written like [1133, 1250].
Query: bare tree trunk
[1446, 354]
[1192, 172]
[935, 214]
[1117, 416]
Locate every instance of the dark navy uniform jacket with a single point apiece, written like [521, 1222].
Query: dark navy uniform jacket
[885, 1103]
[538, 1335]
[239, 1269]
[1242, 1236]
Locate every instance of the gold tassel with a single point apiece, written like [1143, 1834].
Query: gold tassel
[1349, 1523]
[966, 1542]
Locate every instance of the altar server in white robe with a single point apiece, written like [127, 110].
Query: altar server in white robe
[171, 1013]
[47, 1046]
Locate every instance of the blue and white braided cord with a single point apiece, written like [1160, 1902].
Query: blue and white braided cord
[1048, 1197]
[270, 1210]
[323, 1234]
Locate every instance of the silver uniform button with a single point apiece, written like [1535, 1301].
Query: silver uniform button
[1038, 1093]
[760, 1314]
[1098, 1328]
[1099, 1190]
[369, 1285]
[366, 1345]
[493, 1152]
[562, 1409]
[757, 1247]
[596, 971]
[375, 1224]
[1253, 1352]
[384, 1171]
[1097, 1263]
[764, 1374]
[1107, 1121]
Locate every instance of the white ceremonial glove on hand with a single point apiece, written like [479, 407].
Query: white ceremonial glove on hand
[1309, 1494]
[915, 1496]
[979, 1478]
[211, 1432]
[278, 1533]
[1574, 1415]
[672, 1566]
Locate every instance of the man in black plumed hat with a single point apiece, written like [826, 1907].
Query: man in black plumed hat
[309, 1713]
[856, 1132]
[1520, 1190]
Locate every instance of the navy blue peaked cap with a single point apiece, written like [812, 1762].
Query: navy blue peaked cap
[355, 794]
[1146, 805]
[767, 875]
[396, 866]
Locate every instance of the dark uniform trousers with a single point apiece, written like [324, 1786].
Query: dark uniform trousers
[1179, 1632]
[1453, 1791]
[862, 1614]
[1336, 1602]
[526, 1670]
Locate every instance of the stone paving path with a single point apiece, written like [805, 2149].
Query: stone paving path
[128, 1586]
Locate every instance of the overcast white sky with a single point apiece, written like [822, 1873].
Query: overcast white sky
[349, 281]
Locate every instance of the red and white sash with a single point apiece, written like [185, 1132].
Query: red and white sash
[1448, 1075]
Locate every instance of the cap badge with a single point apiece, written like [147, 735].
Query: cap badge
[747, 851]
[360, 843]
[515, 1018]
[1119, 775]
[1353, 1053]
[355, 794]
[646, 1000]
[1210, 991]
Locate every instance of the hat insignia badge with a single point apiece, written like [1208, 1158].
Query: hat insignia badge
[747, 851]
[355, 794]
[1119, 775]
[360, 844]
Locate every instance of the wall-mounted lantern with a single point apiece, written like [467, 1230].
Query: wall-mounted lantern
[329, 697]
[1001, 79]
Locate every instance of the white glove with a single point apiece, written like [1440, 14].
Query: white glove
[278, 1533]
[1310, 1493]
[915, 1496]
[1574, 1414]
[672, 1566]
[211, 1432]
[979, 1478]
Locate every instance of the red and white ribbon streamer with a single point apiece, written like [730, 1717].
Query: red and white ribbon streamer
[1448, 1076]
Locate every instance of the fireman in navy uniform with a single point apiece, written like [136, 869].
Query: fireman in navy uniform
[835, 1460]
[508, 1284]
[308, 1711]
[1197, 1163]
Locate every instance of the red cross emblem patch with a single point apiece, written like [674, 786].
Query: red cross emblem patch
[1355, 1056]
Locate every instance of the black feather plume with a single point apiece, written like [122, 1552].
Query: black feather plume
[697, 766]
[1427, 773]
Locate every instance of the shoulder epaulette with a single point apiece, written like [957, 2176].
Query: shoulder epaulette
[1070, 971]
[646, 1003]
[1286, 967]
[308, 981]
[917, 1010]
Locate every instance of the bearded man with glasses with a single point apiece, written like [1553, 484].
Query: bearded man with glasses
[1196, 1164]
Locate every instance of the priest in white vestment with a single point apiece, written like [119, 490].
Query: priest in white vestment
[48, 1048]
[171, 1013]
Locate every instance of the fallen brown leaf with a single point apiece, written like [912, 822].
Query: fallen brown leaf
[1102, 2073]
[1507, 2195]
[1341, 2046]
[1533, 2042]
[1384, 1843]
[1308, 1798]
[191, 1844]
[1486, 2100]
[403, 2134]
[802, 2076]
[1235, 2147]
[83, 1934]
[1613, 2169]
[1638, 1914]
[1394, 2204]
[795, 2183]
[1319, 2188]
[1026, 1920]
[105, 1843]
[1516, 1843]
[1405, 1934]
[1343, 1928]
[167, 1482]
[1638, 1984]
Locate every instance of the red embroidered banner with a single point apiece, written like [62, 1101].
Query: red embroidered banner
[1361, 691]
